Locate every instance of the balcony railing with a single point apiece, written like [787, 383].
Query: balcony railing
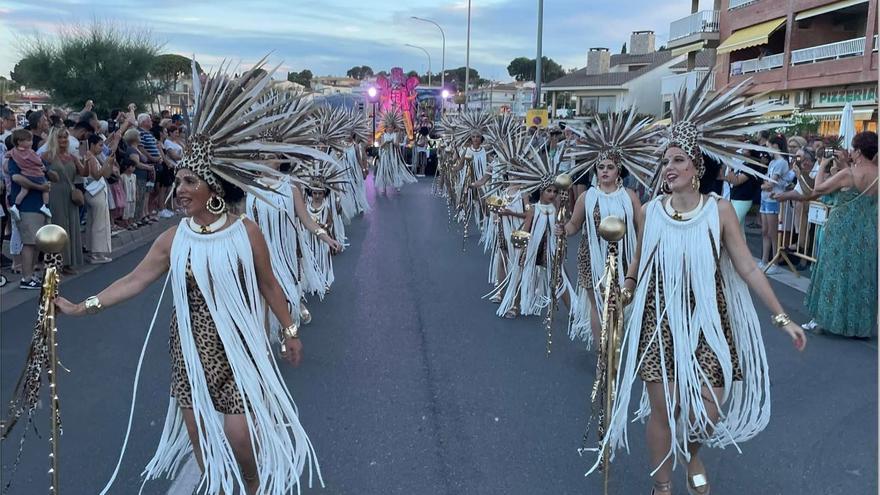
[756, 64]
[672, 84]
[831, 51]
[705, 21]
[735, 4]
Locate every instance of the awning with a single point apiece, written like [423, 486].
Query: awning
[758, 34]
[831, 7]
[693, 47]
[861, 113]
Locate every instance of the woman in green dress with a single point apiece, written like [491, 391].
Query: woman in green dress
[65, 213]
[842, 298]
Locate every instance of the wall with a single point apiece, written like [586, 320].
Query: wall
[645, 92]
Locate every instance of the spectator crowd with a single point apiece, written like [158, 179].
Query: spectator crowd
[94, 178]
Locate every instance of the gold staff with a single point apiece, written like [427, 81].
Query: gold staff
[43, 354]
[612, 229]
[563, 183]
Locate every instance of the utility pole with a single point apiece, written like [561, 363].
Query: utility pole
[538, 61]
[467, 59]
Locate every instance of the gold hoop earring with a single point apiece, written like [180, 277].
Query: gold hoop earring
[664, 187]
[695, 183]
[216, 205]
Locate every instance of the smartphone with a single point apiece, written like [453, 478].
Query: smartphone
[829, 152]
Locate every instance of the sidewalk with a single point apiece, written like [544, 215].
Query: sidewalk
[123, 243]
[799, 281]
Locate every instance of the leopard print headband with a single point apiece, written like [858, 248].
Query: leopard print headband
[197, 158]
[684, 135]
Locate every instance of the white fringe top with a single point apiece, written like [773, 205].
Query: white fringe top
[681, 255]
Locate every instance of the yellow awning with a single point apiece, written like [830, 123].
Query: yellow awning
[831, 7]
[693, 47]
[750, 36]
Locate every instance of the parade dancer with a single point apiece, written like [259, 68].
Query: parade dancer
[391, 170]
[620, 143]
[528, 287]
[227, 393]
[694, 337]
[354, 159]
[323, 181]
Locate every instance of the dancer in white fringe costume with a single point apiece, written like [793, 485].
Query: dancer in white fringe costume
[472, 166]
[228, 405]
[527, 287]
[354, 158]
[609, 197]
[277, 214]
[323, 212]
[391, 170]
[694, 337]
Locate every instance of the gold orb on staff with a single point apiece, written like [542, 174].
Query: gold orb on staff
[612, 228]
[51, 238]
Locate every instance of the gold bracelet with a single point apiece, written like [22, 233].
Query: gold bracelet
[781, 320]
[320, 232]
[626, 296]
[93, 305]
[291, 332]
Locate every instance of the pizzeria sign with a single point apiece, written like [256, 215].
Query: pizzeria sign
[835, 97]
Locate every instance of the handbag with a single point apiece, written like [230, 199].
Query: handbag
[76, 196]
[95, 187]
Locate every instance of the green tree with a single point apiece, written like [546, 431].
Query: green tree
[360, 72]
[102, 62]
[170, 68]
[303, 77]
[523, 69]
[455, 78]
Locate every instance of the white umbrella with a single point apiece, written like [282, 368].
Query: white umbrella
[847, 126]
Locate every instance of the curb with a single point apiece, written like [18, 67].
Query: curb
[122, 244]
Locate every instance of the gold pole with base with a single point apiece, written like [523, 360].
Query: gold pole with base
[51, 239]
[563, 183]
[612, 229]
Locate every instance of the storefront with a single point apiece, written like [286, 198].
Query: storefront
[827, 105]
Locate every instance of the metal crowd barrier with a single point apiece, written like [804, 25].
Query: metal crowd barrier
[800, 225]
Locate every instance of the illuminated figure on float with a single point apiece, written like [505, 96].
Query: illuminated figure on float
[398, 92]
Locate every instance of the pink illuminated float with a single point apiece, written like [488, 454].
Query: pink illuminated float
[398, 92]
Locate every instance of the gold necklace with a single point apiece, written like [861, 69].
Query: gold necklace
[681, 216]
[207, 229]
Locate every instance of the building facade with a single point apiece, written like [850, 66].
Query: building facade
[515, 98]
[610, 83]
[813, 55]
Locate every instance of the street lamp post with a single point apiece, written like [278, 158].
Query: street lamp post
[443, 53]
[429, 60]
[467, 57]
[372, 94]
[538, 60]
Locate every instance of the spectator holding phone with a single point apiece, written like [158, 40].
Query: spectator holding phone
[778, 171]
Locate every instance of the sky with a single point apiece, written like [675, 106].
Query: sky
[328, 37]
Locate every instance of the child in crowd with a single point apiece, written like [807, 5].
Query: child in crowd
[32, 168]
[129, 182]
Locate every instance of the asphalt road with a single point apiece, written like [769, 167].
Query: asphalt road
[411, 385]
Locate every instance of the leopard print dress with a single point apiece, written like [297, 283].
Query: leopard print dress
[218, 373]
[585, 268]
[651, 369]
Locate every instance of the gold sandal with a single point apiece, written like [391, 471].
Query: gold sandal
[661, 487]
[698, 484]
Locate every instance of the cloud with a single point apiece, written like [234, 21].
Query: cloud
[329, 37]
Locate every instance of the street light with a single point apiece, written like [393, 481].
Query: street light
[467, 57]
[371, 92]
[429, 60]
[443, 56]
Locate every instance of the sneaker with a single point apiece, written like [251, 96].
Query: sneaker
[810, 325]
[166, 213]
[98, 259]
[29, 284]
[14, 213]
[45, 211]
[772, 270]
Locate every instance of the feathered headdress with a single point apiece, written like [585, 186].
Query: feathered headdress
[324, 176]
[537, 170]
[623, 138]
[331, 127]
[716, 126]
[469, 123]
[358, 125]
[393, 118]
[232, 119]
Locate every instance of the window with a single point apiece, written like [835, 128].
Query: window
[596, 104]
